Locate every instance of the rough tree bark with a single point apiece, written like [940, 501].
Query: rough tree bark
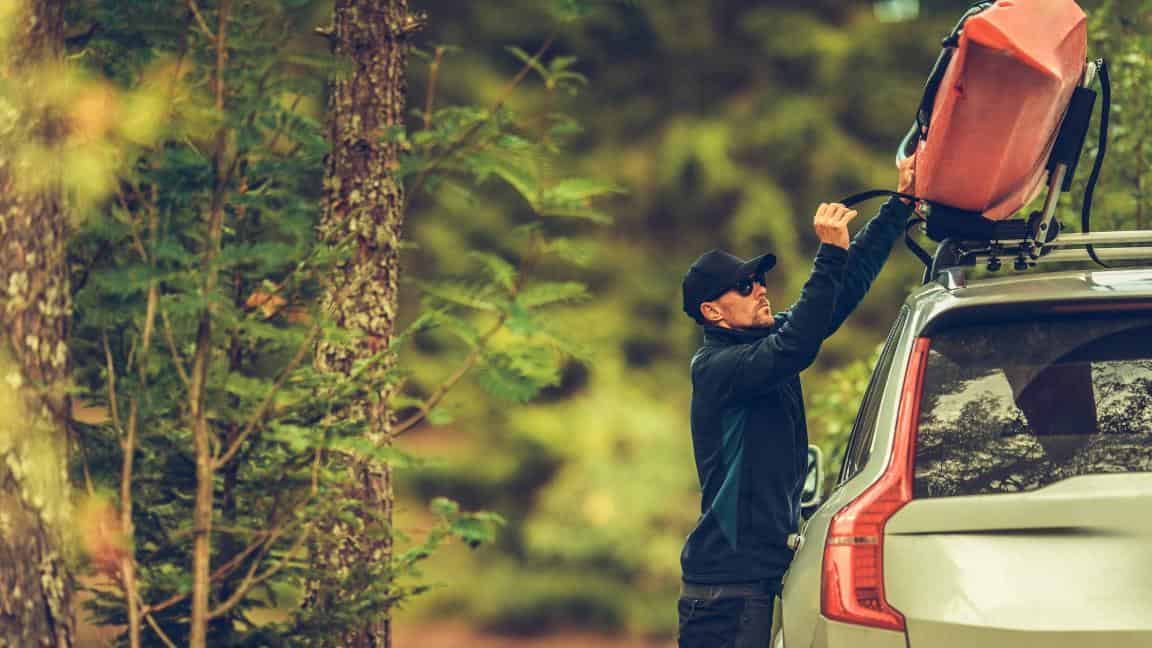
[35, 586]
[363, 202]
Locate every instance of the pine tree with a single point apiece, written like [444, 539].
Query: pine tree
[363, 204]
[203, 287]
[35, 586]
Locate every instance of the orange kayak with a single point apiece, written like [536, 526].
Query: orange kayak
[999, 105]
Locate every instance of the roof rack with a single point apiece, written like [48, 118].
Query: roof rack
[1117, 247]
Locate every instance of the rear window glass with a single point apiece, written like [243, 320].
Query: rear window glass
[1013, 407]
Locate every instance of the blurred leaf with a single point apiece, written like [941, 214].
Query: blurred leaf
[470, 295]
[440, 416]
[581, 190]
[498, 270]
[444, 506]
[528, 60]
[297, 438]
[366, 449]
[518, 374]
[516, 171]
[546, 293]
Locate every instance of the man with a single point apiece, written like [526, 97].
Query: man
[748, 429]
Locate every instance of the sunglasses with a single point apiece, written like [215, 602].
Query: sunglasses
[744, 286]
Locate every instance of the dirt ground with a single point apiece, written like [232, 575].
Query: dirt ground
[408, 634]
[448, 635]
[461, 636]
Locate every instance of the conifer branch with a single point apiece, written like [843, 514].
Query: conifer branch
[113, 401]
[177, 360]
[170, 102]
[455, 147]
[159, 632]
[261, 411]
[433, 75]
[136, 241]
[192, 6]
[442, 391]
[127, 445]
[251, 580]
[221, 571]
[128, 449]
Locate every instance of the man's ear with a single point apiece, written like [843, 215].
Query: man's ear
[711, 312]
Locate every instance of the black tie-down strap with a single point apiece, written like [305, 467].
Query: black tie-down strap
[876, 193]
[1101, 149]
[913, 220]
[912, 245]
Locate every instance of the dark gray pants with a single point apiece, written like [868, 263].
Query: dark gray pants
[726, 616]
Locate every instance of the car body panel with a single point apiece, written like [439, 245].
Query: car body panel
[907, 551]
[800, 608]
[831, 634]
[1036, 568]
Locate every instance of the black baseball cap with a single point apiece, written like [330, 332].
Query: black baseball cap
[716, 272]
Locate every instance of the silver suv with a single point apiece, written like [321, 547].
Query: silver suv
[997, 487]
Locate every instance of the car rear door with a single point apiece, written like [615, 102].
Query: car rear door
[1031, 517]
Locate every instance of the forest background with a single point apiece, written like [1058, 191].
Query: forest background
[726, 123]
[614, 142]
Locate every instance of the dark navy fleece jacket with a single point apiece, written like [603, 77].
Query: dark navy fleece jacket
[749, 434]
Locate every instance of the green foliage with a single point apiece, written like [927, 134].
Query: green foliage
[473, 528]
[161, 292]
[154, 270]
[1119, 32]
[533, 601]
[557, 74]
[469, 146]
[726, 123]
[833, 410]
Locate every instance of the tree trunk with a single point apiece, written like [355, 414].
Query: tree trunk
[363, 202]
[35, 587]
[202, 360]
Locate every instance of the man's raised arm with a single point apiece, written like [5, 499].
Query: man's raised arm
[866, 257]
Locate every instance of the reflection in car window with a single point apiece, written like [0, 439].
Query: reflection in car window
[1016, 406]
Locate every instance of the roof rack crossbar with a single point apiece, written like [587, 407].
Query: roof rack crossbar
[1119, 246]
[1101, 238]
[1104, 253]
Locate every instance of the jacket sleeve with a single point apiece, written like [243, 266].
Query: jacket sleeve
[793, 347]
[867, 254]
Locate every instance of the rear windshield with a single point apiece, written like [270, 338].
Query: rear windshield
[1013, 407]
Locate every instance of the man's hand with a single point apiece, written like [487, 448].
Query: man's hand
[831, 224]
[907, 182]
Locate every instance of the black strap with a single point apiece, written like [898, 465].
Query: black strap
[1101, 149]
[920, 252]
[876, 193]
[913, 220]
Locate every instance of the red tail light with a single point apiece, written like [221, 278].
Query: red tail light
[852, 588]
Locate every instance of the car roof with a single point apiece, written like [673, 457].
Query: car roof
[1100, 287]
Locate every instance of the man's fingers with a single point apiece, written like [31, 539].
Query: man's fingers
[841, 214]
[830, 212]
[906, 182]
